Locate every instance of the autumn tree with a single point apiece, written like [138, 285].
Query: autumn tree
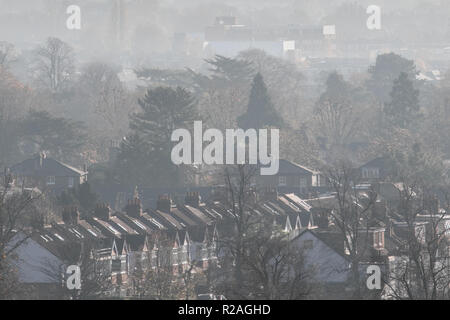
[7, 54]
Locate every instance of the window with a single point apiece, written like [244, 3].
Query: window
[282, 181]
[378, 240]
[303, 183]
[116, 265]
[50, 180]
[375, 173]
[371, 173]
[71, 182]
[308, 244]
[315, 181]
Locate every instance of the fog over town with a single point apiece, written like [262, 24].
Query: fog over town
[224, 150]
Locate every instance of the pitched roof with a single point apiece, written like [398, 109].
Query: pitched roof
[122, 226]
[89, 230]
[135, 224]
[106, 227]
[302, 204]
[46, 167]
[331, 239]
[380, 162]
[197, 214]
[182, 217]
[167, 220]
[289, 167]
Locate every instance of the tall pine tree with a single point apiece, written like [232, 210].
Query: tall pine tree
[260, 112]
[404, 107]
[144, 158]
[163, 110]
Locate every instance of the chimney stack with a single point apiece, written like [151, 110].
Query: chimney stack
[134, 208]
[253, 197]
[71, 215]
[42, 156]
[102, 211]
[271, 193]
[321, 218]
[164, 204]
[192, 199]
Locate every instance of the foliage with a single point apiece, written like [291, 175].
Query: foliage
[260, 111]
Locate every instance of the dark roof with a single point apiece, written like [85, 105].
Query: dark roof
[151, 222]
[105, 227]
[380, 162]
[289, 167]
[89, 230]
[182, 217]
[197, 215]
[298, 202]
[136, 224]
[167, 220]
[332, 239]
[121, 225]
[46, 167]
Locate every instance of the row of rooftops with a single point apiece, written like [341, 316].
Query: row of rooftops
[133, 228]
[193, 220]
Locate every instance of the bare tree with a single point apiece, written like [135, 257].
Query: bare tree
[352, 216]
[95, 271]
[7, 54]
[275, 267]
[157, 278]
[55, 64]
[256, 258]
[14, 205]
[237, 198]
[420, 269]
[107, 96]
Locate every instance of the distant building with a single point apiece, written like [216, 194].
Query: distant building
[292, 177]
[227, 38]
[47, 174]
[377, 169]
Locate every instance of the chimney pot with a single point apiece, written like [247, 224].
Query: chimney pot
[164, 204]
[102, 211]
[134, 208]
